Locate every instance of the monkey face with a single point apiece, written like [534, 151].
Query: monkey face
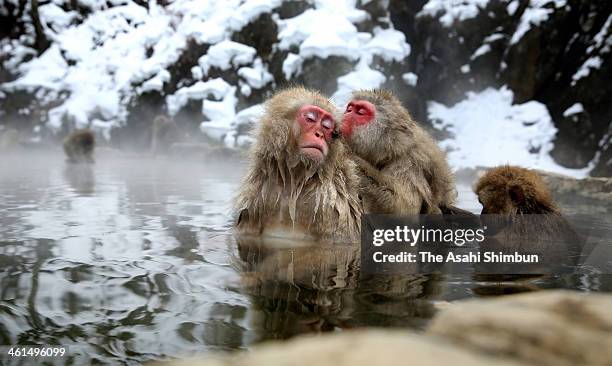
[357, 113]
[316, 127]
[495, 200]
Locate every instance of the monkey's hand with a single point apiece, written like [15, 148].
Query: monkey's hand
[366, 168]
[374, 183]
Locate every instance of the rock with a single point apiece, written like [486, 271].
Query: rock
[355, 348]
[589, 188]
[543, 328]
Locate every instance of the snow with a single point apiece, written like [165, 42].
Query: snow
[250, 114]
[535, 14]
[156, 82]
[584, 70]
[389, 44]
[108, 58]
[56, 17]
[340, 37]
[484, 49]
[217, 87]
[306, 28]
[257, 76]
[488, 130]
[410, 78]
[362, 78]
[576, 108]
[603, 38]
[292, 65]
[452, 10]
[117, 53]
[225, 54]
[220, 117]
[100, 62]
[513, 7]
[493, 37]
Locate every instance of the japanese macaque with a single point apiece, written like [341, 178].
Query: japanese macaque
[79, 146]
[164, 132]
[521, 216]
[404, 170]
[301, 183]
[514, 190]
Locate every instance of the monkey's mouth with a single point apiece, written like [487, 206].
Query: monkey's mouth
[314, 150]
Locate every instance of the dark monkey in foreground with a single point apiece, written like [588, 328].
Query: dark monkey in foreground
[300, 183]
[405, 171]
[79, 146]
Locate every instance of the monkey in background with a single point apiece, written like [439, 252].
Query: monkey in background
[79, 146]
[518, 208]
[513, 190]
[163, 133]
[404, 170]
[300, 183]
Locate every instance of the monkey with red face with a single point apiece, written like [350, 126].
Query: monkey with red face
[301, 183]
[404, 171]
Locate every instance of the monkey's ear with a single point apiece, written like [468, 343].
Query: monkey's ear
[516, 193]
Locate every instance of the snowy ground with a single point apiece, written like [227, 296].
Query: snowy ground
[122, 51]
[488, 130]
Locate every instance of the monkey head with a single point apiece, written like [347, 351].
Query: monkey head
[371, 120]
[298, 125]
[316, 127]
[513, 190]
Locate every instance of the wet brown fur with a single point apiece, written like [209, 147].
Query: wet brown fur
[284, 189]
[405, 170]
[519, 207]
[514, 190]
[163, 133]
[79, 146]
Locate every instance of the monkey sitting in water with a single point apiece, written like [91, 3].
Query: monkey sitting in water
[405, 171]
[514, 190]
[300, 183]
[79, 146]
[518, 206]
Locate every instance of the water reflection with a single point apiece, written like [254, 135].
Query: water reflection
[318, 288]
[134, 260]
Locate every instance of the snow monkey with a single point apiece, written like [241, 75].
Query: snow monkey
[514, 190]
[405, 171]
[300, 183]
[517, 206]
[79, 146]
[163, 133]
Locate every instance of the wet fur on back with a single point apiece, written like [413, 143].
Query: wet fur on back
[79, 146]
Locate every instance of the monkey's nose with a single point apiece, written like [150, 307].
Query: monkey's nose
[319, 134]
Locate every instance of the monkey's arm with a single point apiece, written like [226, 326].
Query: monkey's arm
[373, 175]
[387, 193]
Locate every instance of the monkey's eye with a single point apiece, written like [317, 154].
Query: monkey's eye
[311, 116]
[327, 123]
[349, 108]
[361, 111]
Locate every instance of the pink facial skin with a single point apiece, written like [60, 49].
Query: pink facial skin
[316, 126]
[357, 113]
